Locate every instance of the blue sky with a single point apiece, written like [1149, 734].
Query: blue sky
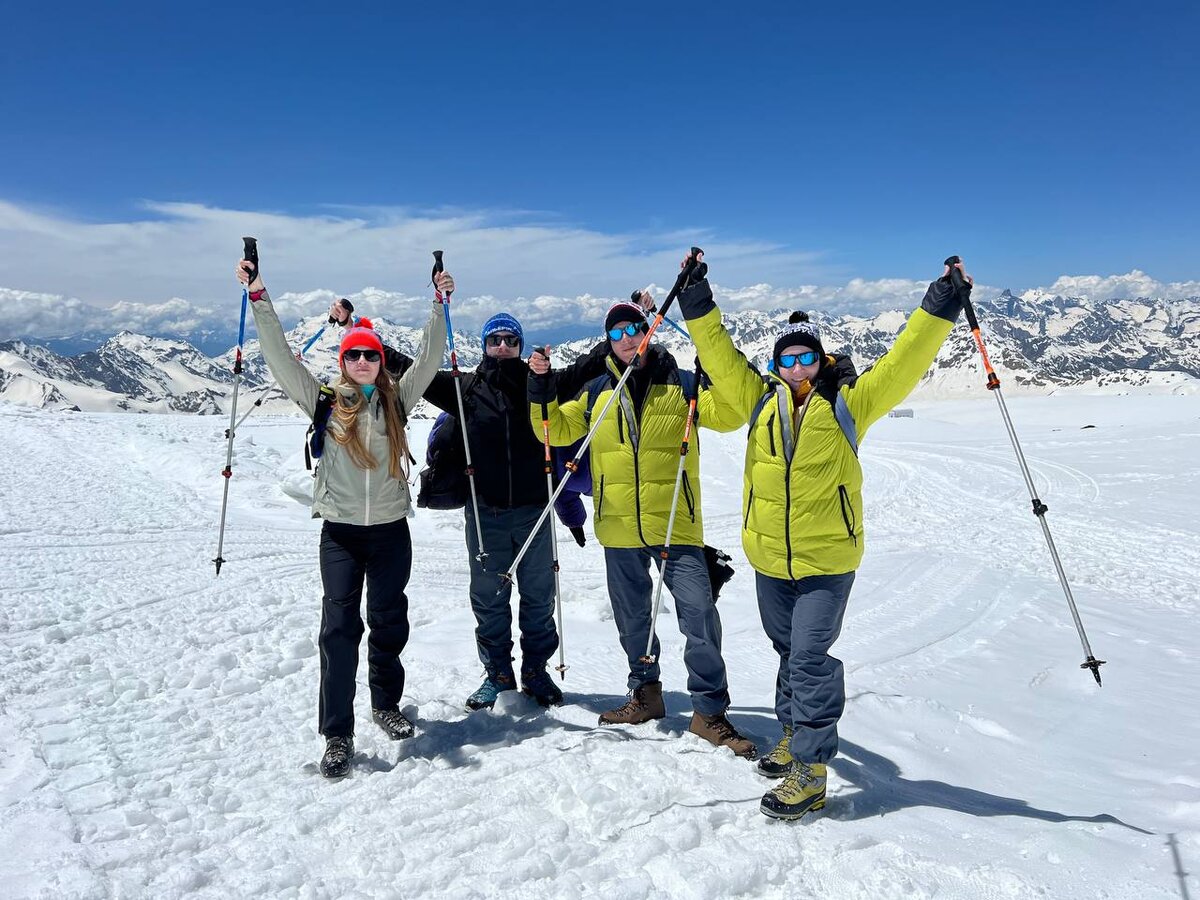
[857, 142]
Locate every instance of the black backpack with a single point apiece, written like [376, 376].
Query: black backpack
[444, 483]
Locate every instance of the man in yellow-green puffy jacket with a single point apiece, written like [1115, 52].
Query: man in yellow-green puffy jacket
[635, 456]
[802, 521]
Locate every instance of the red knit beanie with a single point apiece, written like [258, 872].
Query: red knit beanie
[361, 335]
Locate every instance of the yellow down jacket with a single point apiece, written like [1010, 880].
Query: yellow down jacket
[802, 483]
[635, 455]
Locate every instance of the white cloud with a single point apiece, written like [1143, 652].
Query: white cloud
[1118, 287]
[106, 277]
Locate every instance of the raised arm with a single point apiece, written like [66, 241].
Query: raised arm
[289, 373]
[899, 370]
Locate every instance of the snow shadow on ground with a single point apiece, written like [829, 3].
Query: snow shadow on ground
[882, 790]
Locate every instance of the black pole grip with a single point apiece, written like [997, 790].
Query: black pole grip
[438, 267]
[250, 254]
[684, 276]
[956, 279]
[346, 305]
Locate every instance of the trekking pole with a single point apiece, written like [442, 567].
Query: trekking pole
[689, 268]
[250, 253]
[665, 553]
[438, 268]
[561, 668]
[1039, 508]
[636, 297]
[300, 356]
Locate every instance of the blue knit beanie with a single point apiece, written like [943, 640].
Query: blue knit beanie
[501, 322]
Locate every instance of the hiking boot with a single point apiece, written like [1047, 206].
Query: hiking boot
[645, 703]
[394, 723]
[338, 753]
[541, 687]
[719, 730]
[779, 761]
[802, 790]
[485, 696]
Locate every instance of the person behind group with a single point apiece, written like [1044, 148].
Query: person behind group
[802, 505]
[634, 460]
[510, 481]
[361, 492]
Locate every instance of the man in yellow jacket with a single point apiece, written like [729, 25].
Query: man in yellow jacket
[802, 506]
[634, 460]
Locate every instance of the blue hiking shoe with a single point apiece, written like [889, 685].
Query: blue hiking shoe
[541, 687]
[485, 696]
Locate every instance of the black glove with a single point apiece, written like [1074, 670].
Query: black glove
[541, 387]
[944, 300]
[395, 362]
[578, 534]
[349, 308]
[697, 300]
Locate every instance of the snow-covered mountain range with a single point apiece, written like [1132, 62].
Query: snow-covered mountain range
[1039, 342]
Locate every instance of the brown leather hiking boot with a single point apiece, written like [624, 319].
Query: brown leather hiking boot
[644, 704]
[719, 730]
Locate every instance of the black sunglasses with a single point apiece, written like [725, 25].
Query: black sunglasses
[357, 353]
[508, 340]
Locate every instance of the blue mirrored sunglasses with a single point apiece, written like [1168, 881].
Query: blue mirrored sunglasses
[807, 358]
[633, 329]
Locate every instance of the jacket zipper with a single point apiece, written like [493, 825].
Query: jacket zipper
[367, 474]
[847, 516]
[771, 432]
[787, 481]
[508, 451]
[688, 498]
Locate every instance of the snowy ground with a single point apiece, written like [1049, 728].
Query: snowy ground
[159, 733]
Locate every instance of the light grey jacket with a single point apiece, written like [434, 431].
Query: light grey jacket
[343, 492]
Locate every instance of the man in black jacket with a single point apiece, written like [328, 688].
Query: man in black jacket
[510, 480]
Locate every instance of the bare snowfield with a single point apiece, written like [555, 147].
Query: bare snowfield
[158, 723]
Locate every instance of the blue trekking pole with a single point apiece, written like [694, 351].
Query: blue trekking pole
[456, 374]
[250, 253]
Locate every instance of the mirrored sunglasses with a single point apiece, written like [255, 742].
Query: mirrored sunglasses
[356, 353]
[807, 358]
[633, 329]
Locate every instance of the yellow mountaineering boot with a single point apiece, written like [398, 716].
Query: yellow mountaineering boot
[779, 761]
[803, 789]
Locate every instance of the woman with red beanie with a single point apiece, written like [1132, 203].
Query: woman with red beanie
[361, 492]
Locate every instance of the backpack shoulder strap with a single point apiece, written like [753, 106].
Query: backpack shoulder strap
[831, 391]
[593, 388]
[315, 445]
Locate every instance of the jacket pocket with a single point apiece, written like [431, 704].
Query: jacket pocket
[771, 432]
[689, 498]
[749, 503]
[847, 513]
[600, 500]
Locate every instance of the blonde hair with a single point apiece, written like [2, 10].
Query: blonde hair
[346, 412]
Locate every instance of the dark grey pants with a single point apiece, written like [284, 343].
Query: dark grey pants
[504, 531]
[631, 590]
[803, 618]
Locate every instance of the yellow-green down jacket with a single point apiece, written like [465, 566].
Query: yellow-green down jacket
[634, 458]
[802, 513]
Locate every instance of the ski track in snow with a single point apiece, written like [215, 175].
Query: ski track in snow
[160, 732]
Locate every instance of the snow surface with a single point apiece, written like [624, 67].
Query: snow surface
[159, 722]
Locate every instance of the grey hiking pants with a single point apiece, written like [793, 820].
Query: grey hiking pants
[803, 618]
[504, 531]
[631, 590]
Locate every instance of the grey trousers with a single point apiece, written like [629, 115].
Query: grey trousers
[803, 618]
[631, 589]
